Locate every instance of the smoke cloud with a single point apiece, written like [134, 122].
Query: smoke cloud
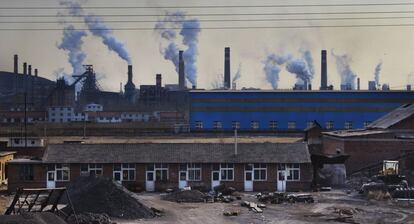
[302, 67]
[237, 76]
[189, 31]
[377, 73]
[98, 28]
[344, 69]
[72, 43]
[272, 68]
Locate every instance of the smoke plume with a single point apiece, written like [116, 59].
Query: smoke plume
[302, 67]
[272, 68]
[189, 31]
[377, 73]
[237, 76]
[344, 69]
[72, 43]
[98, 28]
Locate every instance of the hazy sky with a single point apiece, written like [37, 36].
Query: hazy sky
[394, 46]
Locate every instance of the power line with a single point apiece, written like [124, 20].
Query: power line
[217, 20]
[214, 14]
[214, 6]
[223, 28]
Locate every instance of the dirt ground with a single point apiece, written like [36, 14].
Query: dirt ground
[325, 210]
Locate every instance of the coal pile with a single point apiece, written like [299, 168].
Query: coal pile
[32, 218]
[103, 196]
[185, 196]
[88, 218]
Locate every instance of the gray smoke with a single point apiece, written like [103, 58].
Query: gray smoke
[72, 43]
[272, 68]
[302, 67]
[344, 69]
[377, 73]
[98, 28]
[189, 31]
[237, 76]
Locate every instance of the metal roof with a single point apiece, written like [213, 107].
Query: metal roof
[178, 153]
[394, 117]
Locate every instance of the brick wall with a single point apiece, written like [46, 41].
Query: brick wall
[14, 181]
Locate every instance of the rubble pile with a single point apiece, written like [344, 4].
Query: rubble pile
[32, 218]
[103, 196]
[87, 218]
[185, 196]
[279, 197]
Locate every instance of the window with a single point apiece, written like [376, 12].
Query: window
[199, 125]
[259, 172]
[273, 125]
[329, 125]
[254, 125]
[194, 171]
[235, 124]
[161, 171]
[309, 124]
[366, 123]
[293, 172]
[26, 172]
[227, 171]
[217, 125]
[62, 172]
[291, 125]
[348, 125]
[128, 171]
[92, 169]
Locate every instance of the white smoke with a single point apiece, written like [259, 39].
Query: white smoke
[72, 43]
[344, 69]
[302, 67]
[377, 73]
[272, 68]
[237, 76]
[189, 31]
[98, 28]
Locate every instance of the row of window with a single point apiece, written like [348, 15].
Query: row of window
[273, 125]
[127, 171]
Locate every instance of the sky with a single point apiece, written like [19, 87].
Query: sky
[367, 46]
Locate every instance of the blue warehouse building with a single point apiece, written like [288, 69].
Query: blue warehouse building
[290, 110]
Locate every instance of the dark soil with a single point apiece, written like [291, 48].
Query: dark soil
[104, 196]
[32, 218]
[185, 196]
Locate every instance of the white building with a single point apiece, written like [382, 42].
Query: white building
[93, 107]
[64, 115]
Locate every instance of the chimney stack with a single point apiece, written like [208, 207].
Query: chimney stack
[129, 73]
[158, 81]
[408, 87]
[25, 68]
[30, 70]
[181, 73]
[16, 64]
[358, 84]
[324, 75]
[227, 68]
[35, 72]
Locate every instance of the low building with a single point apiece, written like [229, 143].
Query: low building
[4, 158]
[12, 117]
[153, 167]
[93, 107]
[24, 147]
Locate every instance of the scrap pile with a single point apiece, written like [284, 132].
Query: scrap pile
[279, 197]
[103, 196]
[186, 196]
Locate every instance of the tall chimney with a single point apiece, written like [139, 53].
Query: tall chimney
[129, 73]
[227, 68]
[158, 81]
[324, 75]
[30, 70]
[35, 72]
[358, 84]
[25, 68]
[181, 73]
[16, 64]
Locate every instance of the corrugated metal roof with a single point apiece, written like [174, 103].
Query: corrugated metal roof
[393, 117]
[177, 153]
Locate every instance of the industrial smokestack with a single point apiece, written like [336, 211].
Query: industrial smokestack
[408, 87]
[129, 73]
[181, 73]
[25, 68]
[35, 72]
[16, 64]
[158, 81]
[30, 70]
[358, 84]
[227, 68]
[324, 75]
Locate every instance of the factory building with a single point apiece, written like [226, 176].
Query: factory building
[219, 110]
